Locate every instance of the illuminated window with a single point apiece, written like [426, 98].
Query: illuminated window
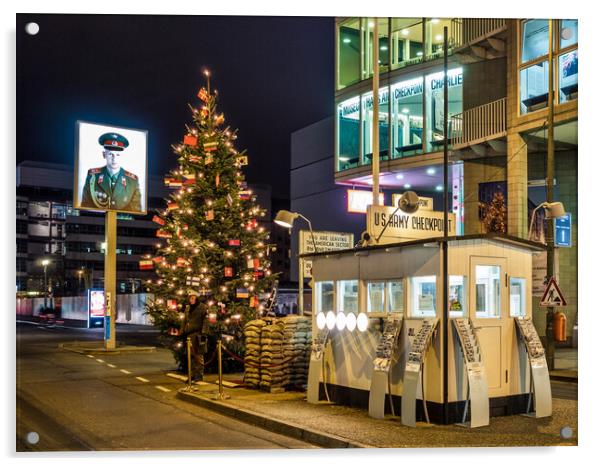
[383, 125]
[534, 39]
[347, 296]
[406, 117]
[324, 296]
[348, 49]
[568, 32]
[567, 76]
[433, 34]
[385, 296]
[518, 297]
[424, 297]
[488, 291]
[406, 42]
[376, 297]
[457, 296]
[434, 115]
[395, 296]
[348, 133]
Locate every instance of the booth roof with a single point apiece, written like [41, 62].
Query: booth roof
[532, 245]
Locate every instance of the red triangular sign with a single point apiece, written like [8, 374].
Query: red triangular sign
[552, 296]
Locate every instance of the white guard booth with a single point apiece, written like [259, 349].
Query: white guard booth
[397, 289]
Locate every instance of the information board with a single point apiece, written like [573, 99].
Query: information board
[325, 241]
[96, 307]
[562, 231]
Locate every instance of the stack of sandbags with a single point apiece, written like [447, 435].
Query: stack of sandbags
[252, 332]
[296, 349]
[272, 357]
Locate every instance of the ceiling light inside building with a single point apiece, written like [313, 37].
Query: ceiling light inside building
[399, 176]
[438, 37]
[430, 171]
[346, 40]
[435, 21]
[405, 32]
[407, 185]
[405, 110]
[439, 188]
[419, 54]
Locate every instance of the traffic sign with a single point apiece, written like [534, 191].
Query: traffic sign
[552, 296]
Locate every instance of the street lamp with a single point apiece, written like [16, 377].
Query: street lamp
[552, 209]
[285, 219]
[45, 263]
[79, 279]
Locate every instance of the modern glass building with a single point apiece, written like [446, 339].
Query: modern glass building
[497, 115]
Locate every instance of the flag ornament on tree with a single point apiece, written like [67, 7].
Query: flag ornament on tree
[212, 233]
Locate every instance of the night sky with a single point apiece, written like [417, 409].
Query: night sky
[274, 75]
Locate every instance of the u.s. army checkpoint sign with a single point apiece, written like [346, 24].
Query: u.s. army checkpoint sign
[401, 226]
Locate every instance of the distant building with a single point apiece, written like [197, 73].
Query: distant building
[47, 227]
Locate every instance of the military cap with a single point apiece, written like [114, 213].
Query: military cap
[113, 141]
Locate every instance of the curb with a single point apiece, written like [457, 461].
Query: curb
[269, 423]
[83, 349]
[564, 378]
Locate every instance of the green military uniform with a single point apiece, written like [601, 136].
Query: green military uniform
[102, 190]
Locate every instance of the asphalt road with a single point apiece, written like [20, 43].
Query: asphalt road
[75, 402]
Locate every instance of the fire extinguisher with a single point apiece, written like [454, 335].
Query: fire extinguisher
[559, 327]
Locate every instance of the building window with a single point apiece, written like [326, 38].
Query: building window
[347, 296]
[424, 297]
[488, 291]
[407, 117]
[348, 47]
[568, 32]
[534, 68]
[385, 296]
[406, 42]
[349, 133]
[567, 76]
[433, 36]
[534, 39]
[457, 296]
[383, 44]
[324, 297]
[434, 85]
[518, 297]
[383, 125]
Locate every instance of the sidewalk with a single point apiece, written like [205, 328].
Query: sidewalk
[334, 426]
[565, 365]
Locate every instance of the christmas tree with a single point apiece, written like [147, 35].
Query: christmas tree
[214, 248]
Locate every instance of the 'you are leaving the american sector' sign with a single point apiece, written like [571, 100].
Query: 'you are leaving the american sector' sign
[325, 241]
[422, 224]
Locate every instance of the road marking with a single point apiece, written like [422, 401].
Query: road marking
[90, 356]
[100, 360]
[124, 371]
[142, 379]
[163, 389]
[112, 365]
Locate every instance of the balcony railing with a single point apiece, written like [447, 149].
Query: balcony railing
[479, 124]
[467, 30]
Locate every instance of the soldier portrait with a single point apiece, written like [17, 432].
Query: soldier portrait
[108, 185]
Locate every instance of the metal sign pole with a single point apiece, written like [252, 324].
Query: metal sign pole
[110, 277]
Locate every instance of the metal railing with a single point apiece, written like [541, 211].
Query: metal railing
[479, 124]
[467, 30]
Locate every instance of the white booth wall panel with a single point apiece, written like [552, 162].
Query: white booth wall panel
[411, 261]
[335, 267]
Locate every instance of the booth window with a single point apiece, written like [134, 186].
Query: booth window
[424, 296]
[395, 296]
[433, 111]
[376, 297]
[383, 125]
[348, 50]
[348, 133]
[347, 296]
[457, 296]
[488, 291]
[324, 297]
[518, 297]
[406, 42]
[406, 117]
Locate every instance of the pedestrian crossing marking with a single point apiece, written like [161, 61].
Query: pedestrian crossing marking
[100, 360]
[163, 389]
[125, 371]
[142, 379]
[112, 365]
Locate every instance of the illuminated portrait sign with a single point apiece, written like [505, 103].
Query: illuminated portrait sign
[110, 168]
[96, 308]
[358, 201]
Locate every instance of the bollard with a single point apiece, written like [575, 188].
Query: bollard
[220, 394]
[188, 345]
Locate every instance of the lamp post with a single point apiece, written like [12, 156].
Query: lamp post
[285, 219]
[45, 263]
